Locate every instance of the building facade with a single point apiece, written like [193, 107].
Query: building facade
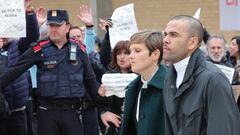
[150, 14]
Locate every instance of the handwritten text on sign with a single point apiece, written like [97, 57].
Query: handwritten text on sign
[13, 22]
[124, 24]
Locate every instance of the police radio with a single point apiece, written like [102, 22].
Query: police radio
[73, 53]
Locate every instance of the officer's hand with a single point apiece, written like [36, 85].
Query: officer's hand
[102, 91]
[110, 117]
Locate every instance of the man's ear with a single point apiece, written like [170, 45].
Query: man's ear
[193, 43]
[68, 26]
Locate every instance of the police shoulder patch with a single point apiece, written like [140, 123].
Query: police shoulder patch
[38, 45]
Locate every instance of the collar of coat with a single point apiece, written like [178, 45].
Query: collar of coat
[196, 60]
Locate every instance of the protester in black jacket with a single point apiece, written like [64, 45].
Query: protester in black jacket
[112, 109]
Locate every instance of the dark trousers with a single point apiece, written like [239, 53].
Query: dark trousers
[15, 124]
[58, 122]
[90, 121]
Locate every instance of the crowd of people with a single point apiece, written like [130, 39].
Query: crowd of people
[178, 91]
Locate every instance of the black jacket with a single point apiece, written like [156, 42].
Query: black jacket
[203, 103]
[105, 52]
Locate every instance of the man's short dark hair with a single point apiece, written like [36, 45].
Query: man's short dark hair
[195, 26]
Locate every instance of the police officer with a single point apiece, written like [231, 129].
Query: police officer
[64, 73]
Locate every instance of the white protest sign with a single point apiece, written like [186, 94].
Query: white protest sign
[197, 14]
[115, 83]
[13, 22]
[229, 72]
[124, 24]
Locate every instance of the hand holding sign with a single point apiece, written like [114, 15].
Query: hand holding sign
[102, 91]
[104, 24]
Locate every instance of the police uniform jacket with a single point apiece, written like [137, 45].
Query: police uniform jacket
[58, 77]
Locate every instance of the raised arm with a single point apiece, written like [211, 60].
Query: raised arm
[32, 29]
[85, 16]
[105, 51]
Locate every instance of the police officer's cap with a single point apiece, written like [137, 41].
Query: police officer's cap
[57, 17]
